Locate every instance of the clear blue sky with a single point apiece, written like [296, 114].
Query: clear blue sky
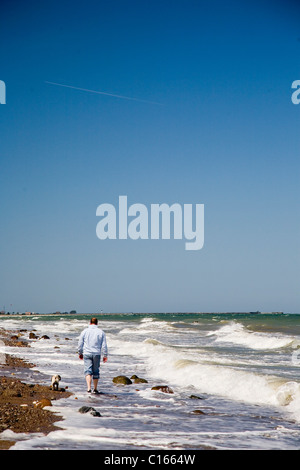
[225, 135]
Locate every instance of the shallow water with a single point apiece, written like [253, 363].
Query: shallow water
[244, 369]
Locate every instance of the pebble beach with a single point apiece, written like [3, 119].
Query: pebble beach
[22, 404]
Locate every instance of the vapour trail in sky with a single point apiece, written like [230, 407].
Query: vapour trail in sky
[104, 93]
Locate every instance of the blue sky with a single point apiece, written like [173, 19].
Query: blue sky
[224, 134]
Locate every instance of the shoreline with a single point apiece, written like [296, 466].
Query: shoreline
[103, 314]
[22, 402]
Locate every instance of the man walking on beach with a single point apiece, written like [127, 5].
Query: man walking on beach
[91, 342]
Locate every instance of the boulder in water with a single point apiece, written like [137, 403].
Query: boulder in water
[162, 388]
[198, 412]
[89, 409]
[138, 380]
[122, 379]
[32, 335]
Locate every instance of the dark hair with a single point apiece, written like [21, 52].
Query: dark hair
[94, 321]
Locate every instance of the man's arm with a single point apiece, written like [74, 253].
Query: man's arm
[104, 348]
[80, 345]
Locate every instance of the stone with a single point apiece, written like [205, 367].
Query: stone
[89, 409]
[32, 335]
[43, 402]
[85, 409]
[198, 412]
[122, 379]
[138, 380]
[21, 343]
[162, 388]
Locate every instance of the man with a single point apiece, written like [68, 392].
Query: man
[91, 342]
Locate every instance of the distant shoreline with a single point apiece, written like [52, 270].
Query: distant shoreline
[28, 314]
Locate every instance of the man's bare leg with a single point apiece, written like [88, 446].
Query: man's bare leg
[88, 379]
[95, 384]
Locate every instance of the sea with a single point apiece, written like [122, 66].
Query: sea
[235, 380]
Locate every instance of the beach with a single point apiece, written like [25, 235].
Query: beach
[22, 404]
[195, 382]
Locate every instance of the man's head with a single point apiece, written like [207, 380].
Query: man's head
[94, 321]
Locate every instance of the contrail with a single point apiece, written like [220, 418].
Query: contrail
[104, 93]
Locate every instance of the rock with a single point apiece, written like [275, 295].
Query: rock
[138, 380]
[122, 379]
[85, 409]
[198, 412]
[162, 388]
[89, 409]
[195, 397]
[43, 402]
[32, 335]
[45, 337]
[21, 344]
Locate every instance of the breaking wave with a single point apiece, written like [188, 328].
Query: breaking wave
[238, 334]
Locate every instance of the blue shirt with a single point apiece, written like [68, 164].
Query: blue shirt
[92, 340]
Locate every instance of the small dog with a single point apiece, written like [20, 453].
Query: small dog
[55, 381]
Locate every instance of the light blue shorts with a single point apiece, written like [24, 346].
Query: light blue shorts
[92, 365]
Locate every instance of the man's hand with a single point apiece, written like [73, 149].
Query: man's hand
[105, 359]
